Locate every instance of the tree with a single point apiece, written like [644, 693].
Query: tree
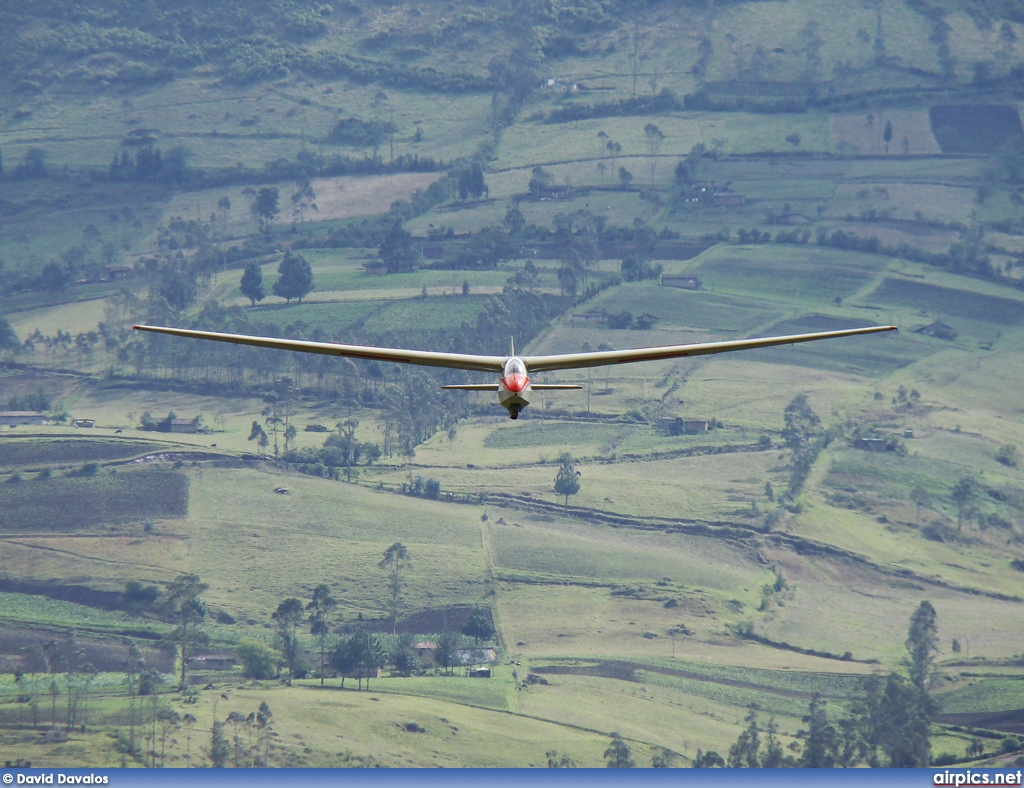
[773, 757]
[1005, 455]
[478, 626]
[904, 724]
[321, 613]
[257, 434]
[287, 617]
[540, 181]
[403, 657]
[265, 208]
[618, 754]
[8, 337]
[471, 182]
[295, 277]
[396, 560]
[707, 760]
[887, 135]
[821, 742]
[654, 138]
[922, 644]
[259, 661]
[169, 720]
[303, 199]
[132, 666]
[921, 498]
[745, 753]
[189, 721]
[446, 653]
[33, 164]
[397, 252]
[567, 482]
[514, 220]
[252, 283]
[185, 608]
[219, 747]
[556, 761]
[625, 177]
[965, 496]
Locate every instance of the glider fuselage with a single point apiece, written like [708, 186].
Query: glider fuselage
[514, 387]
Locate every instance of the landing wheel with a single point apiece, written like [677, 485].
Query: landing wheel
[513, 412]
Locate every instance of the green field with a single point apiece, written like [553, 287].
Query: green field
[767, 559]
[39, 452]
[947, 302]
[108, 499]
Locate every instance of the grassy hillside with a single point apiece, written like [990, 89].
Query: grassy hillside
[814, 165]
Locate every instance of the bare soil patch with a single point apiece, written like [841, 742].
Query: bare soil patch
[348, 195]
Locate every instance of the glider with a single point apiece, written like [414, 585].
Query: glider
[514, 385]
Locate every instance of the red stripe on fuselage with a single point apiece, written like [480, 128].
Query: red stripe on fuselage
[515, 382]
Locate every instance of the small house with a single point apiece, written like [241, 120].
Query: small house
[210, 662]
[425, 652]
[16, 418]
[682, 281]
[727, 199]
[681, 426]
[56, 736]
[874, 444]
[118, 272]
[561, 192]
[181, 426]
[645, 322]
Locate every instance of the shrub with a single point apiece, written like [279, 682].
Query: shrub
[259, 661]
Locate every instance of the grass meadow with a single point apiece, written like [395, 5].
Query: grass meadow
[631, 602]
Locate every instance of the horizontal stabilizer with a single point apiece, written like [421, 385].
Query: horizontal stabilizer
[473, 386]
[554, 386]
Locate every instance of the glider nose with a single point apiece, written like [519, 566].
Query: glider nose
[515, 382]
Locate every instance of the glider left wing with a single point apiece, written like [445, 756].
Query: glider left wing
[423, 358]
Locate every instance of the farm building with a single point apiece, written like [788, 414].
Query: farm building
[118, 272]
[727, 199]
[211, 662]
[425, 652]
[185, 426]
[84, 423]
[555, 193]
[676, 425]
[875, 444]
[364, 673]
[16, 418]
[682, 281]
